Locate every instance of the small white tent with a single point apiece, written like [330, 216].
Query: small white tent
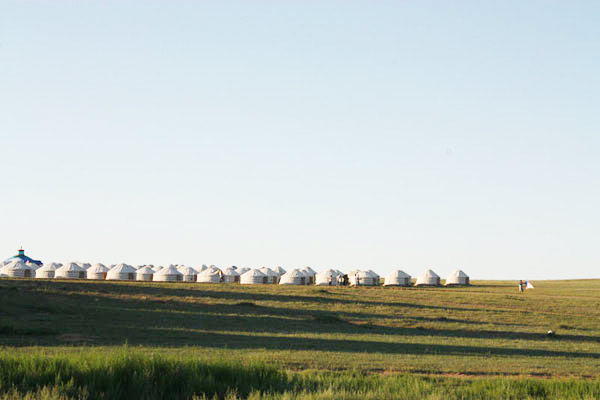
[293, 277]
[253, 277]
[326, 278]
[375, 276]
[97, 271]
[168, 274]
[189, 274]
[18, 269]
[70, 271]
[363, 278]
[121, 272]
[273, 277]
[458, 277]
[46, 272]
[428, 278]
[397, 278]
[310, 275]
[144, 274]
[231, 275]
[209, 275]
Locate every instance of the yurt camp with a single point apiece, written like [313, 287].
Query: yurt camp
[293, 277]
[209, 275]
[428, 278]
[272, 276]
[70, 271]
[18, 269]
[397, 278]
[121, 272]
[97, 271]
[168, 274]
[456, 278]
[189, 274]
[144, 274]
[46, 272]
[253, 277]
[230, 275]
[326, 278]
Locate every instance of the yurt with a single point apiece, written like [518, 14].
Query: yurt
[144, 274]
[168, 274]
[230, 275]
[279, 270]
[310, 275]
[458, 277]
[326, 278]
[97, 271]
[46, 272]
[18, 269]
[210, 275]
[122, 272]
[70, 271]
[375, 276]
[293, 277]
[273, 277]
[364, 278]
[428, 278]
[21, 257]
[397, 278]
[189, 274]
[253, 277]
[243, 270]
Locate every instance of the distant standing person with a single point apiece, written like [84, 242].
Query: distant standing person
[520, 286]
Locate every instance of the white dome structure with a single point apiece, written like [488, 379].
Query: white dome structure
[121, 272]
[363, 278]
[18, 269]
[230, 275]
[326, 278]
[310, 275]
[375, 276]
[253, 277]
[458, 277]
[397, 278]
[279, 270]
[210, 275]
[243, 270]
[428, 278]
[97, 271]
[293, 277]
[70, 271]
[273, 277]
[168, 274]
[46, 271]
[144, 274]
[189, 274]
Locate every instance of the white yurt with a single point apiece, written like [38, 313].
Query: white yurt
[363, 278]
[144, 274]
[18, 269]
[273, 277]
[293, 277]
[168, 274]
[279, 270]
[46, 271]
[121, 272]
[397, 278]
[243, 270]
[310, 275]
[458, 277]
[326, 278]
[97, 271]
[189, 274]
[428, 278]
[70, 271]
[375, 276]
[253, 277]
[230, 275]
[210, 275]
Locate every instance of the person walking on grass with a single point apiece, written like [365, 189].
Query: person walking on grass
[521, 286]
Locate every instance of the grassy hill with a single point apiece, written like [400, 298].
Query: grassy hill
[484, 340]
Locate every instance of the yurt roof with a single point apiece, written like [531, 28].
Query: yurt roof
[16, 265]
[399, 274]
[70, 267]
[458, 274]
[328, 272]
[429, 274]
[48, 267]
[170, 270]
[230, 272]
[23, 258]
[280, 270]
[268, 271]
[253, 272]
[209, 272]
[145, 271]
[213, 269]
[98, 268]
[188, 271]
[294, 273]
[309, 269]
[373, 273]
[122, 269]
[243, 270]
[365, 274]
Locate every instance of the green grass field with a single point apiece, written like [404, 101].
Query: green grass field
[227, 340]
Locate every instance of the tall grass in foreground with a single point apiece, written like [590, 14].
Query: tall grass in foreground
[125, 376]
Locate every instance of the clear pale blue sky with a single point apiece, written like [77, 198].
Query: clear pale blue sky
[343, 134]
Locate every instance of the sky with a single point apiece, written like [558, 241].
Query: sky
[336, 134]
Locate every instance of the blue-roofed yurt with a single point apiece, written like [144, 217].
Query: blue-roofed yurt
[21, 257]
